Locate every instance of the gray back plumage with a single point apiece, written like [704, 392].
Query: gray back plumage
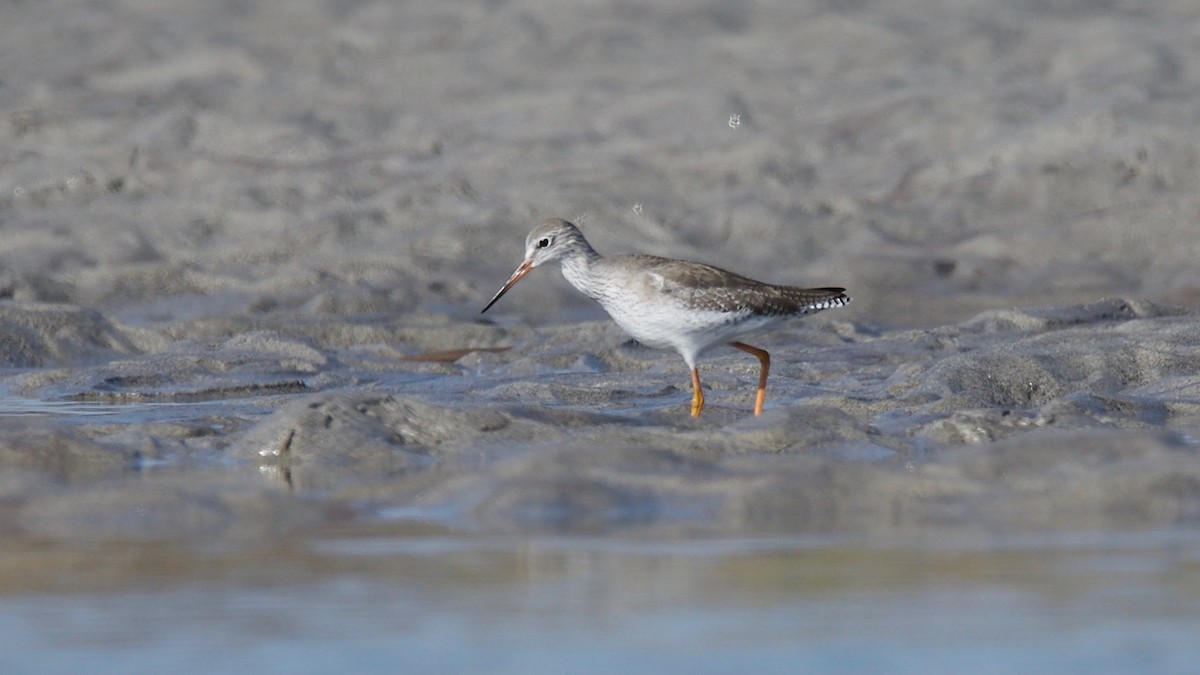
[713, 289]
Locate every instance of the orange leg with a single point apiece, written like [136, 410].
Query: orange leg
[697, 395]
[765, 360]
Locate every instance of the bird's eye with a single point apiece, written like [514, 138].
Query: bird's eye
[543, 242]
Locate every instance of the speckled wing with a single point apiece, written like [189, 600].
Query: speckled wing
[713, 289]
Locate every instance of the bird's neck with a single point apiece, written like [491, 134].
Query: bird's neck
[578, 268]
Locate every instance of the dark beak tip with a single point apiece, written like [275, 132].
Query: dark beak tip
[489, 305]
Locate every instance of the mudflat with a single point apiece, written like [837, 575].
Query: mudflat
[244, 246]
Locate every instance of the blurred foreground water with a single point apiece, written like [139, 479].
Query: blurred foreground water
[389, 597]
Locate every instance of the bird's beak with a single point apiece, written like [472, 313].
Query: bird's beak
[521, 271]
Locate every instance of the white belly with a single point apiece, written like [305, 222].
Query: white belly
[688, 331]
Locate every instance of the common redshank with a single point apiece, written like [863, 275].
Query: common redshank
[686, 306]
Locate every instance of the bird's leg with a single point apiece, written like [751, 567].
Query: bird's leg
[765, 360]
[697, 395]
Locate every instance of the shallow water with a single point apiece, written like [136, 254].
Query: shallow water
[390, 597]
[485, 519]
[593, 538]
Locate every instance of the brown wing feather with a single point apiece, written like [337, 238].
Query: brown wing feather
[711, 288]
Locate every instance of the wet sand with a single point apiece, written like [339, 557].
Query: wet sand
[1070, 417]
[243, 250]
